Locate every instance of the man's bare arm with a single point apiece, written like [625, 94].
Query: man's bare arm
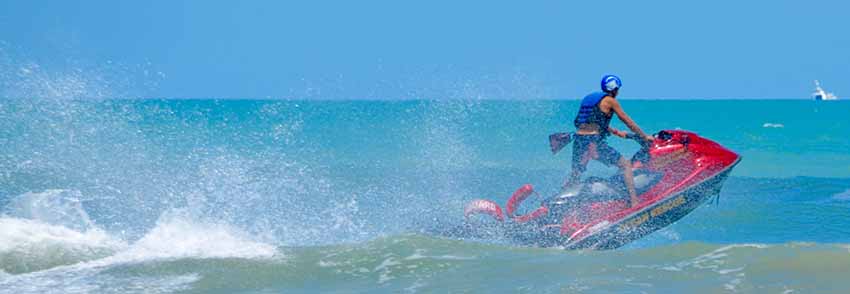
[615, 106]
[617, 132]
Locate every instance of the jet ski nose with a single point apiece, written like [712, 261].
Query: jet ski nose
[689, 149]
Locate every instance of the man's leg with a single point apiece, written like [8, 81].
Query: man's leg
[610, 157]
[629, 178]
[579, 161]
[575, 175]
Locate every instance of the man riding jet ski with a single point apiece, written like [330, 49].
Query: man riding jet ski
[593, 126]
[673, 173]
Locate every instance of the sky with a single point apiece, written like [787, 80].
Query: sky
[432, 49]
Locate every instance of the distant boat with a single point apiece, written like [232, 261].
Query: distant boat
[820, 94]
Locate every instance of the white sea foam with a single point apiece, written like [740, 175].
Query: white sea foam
[178, 237]
[45, 234]
[842, 196]
[30, 245]
[386, 269]
[46, 229]
[414, 288]
[33, 245]
[731, 270]
[175, 236]
[420, 254]
[742, 245]
[772, 125]
[55, 219]
[713, 260]
[732, 285]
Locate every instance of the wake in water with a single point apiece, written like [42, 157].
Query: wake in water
[57, 235]
[411, 263]
[32, 245]
[42, 253]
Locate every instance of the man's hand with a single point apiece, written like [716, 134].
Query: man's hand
[619, 133]
[649, 138]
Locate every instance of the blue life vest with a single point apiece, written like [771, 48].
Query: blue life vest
[589, 113]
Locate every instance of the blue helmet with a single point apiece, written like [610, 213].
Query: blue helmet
[610, 83]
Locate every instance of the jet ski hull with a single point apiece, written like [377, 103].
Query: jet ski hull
[611, 235]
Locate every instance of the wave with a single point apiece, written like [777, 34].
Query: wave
[411, 262]
[175, 236]
[30, 245]
[41, 230]
[44, 258]
[44, 230]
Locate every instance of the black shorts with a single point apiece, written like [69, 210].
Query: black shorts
[583, 151]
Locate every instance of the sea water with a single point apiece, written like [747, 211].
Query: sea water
[114, 195]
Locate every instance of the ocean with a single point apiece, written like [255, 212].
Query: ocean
[306, 196]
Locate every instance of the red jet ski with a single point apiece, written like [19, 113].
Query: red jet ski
[674, 174]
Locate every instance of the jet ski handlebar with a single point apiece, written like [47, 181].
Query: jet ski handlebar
[639, 139]
[661, 135]
[642, 155]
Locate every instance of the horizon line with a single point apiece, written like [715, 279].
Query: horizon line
[269, 98]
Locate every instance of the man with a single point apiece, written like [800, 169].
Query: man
[592, 124]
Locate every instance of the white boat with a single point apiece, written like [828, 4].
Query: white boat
[820, 94]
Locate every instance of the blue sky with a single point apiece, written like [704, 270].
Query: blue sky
[439, 49]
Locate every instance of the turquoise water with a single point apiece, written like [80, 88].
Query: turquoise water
[222, 196]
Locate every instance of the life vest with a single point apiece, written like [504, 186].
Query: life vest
[589, 113]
